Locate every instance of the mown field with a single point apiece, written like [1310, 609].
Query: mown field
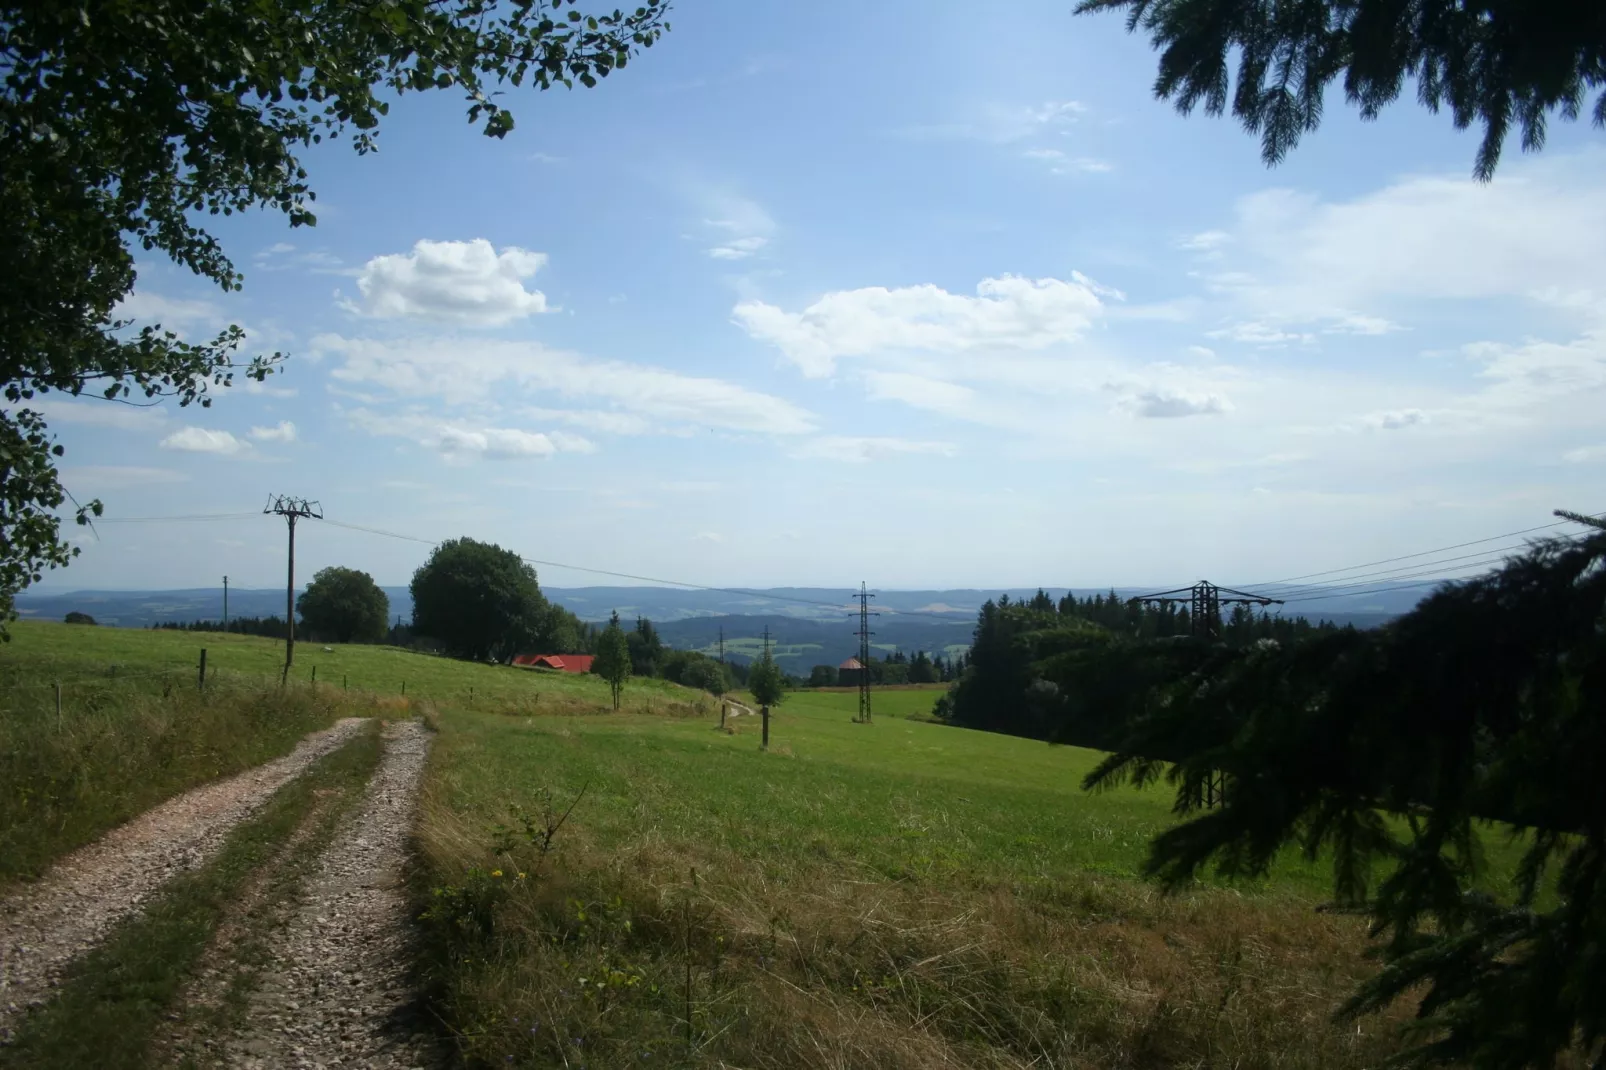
[909, 700]
[901, 894]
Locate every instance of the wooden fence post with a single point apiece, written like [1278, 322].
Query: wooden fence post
[315, 674]
[404, 687]
[200, 680]
[58, 703]
[766, 712]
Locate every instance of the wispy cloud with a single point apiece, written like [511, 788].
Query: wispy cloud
[284, 431]
[479, 372]
[740, 225]
[859, 449]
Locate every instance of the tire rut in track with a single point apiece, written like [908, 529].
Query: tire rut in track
[338, 991]
[260, 906]
[46, 925]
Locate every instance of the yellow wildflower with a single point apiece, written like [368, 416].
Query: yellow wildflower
[496, 873]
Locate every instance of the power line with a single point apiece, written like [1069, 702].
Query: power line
[1407, 557]
[609, 572]
[841, 607]
[1480, 555]
[1381, 587]
[169, 519]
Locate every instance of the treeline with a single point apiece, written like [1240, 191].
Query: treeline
[1081, 670]
[895, 668]
[272, 627]
[649, 656]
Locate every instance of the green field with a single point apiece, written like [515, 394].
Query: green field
[908, 701]
[752, 647]
[900, 894]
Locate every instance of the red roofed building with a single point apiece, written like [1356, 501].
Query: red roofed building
[561, 662]
[849, 673]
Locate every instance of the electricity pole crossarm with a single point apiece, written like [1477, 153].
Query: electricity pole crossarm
[292, 509]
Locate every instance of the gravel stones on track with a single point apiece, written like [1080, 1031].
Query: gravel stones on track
[44, 926]
[339, 991]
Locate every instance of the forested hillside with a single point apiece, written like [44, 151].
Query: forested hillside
[1078, 670]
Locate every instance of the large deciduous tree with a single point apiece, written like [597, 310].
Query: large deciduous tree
[1486, 703]
[481, 602]
[1501, 63]
[345, 605]
[125, 123]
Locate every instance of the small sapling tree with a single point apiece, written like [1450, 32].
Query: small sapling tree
[768, 689]
[613, 659]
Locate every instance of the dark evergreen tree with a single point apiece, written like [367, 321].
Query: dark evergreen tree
[1486, 702]
[1497, 62]
[613, 659]
[646, 649]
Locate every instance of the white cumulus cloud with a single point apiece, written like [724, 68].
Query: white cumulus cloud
[204, 440]
[463, 282]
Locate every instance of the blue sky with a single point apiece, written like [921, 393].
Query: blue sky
[928, 295]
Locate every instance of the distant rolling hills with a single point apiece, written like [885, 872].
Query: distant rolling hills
[808, 625]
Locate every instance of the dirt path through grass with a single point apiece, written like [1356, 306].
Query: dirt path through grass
[338, 992]
[44, 926]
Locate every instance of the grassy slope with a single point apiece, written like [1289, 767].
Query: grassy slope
[902, 894]
[48, 651]
[135, 730]
[123, 742]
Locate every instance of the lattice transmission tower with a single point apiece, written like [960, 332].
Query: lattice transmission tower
[864, 633]
[1204, 600]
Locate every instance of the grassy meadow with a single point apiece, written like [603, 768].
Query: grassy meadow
[901, 894]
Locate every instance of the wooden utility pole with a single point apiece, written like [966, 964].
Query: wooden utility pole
[225, 603]
[292, 509]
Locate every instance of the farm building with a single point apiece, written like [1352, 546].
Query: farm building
[848, 673]
[561, 662]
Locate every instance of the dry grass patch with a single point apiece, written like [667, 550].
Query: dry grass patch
[828, 965]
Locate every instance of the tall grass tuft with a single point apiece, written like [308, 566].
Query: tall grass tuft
[125, 742]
